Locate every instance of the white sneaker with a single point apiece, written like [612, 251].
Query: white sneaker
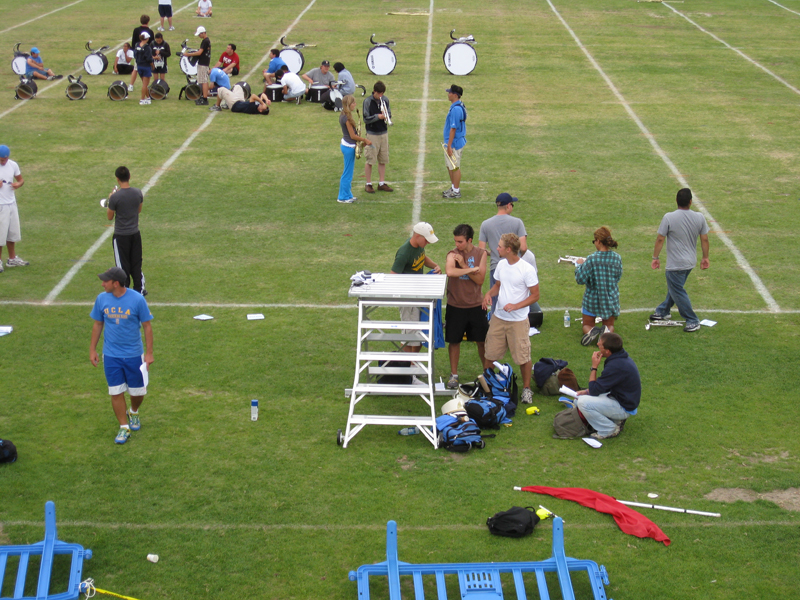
[161, 28]
[142, 102]
[17, 262]
[1, 265]
[172, 28]
[348, 201]
[130, 88]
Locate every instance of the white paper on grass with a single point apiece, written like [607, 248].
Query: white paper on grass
[593, 442]
[255, 317]
[567, 392]
[6, 329]
[204, 317]
[708, 323]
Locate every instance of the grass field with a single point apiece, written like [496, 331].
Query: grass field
[592, 112]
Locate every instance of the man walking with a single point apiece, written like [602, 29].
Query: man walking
[124, 206]
[615, 396]
[10, 181]
[118, 314]
[496, 226]
[455, 138]
[376, 123]
[466, 270]
[517, 287]
[680, 228]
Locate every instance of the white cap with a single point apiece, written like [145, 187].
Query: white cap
[200, 30]
[426, 230]
[144, 35]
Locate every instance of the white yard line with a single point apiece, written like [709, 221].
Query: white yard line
[8, 9]
[715, 226]
[784, 8]
[416, 210]
[54, 293]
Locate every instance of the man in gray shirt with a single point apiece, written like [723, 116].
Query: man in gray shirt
[124, 206]
[680, 228]
[496, 226]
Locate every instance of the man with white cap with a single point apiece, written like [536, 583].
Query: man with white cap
[119, 314]
[410, 260]
[10, 180]
[203, 63]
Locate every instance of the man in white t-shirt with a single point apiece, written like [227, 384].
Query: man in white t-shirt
[10, 180]
[203, 8]
[517, 287]
[165, 10]
[293, 86]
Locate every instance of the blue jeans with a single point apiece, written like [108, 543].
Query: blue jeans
[676, 295]
[346, 182]
[603, 413]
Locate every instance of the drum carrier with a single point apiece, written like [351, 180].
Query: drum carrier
[381, 59]
[188, 63]
[192, 89]
[459, 56]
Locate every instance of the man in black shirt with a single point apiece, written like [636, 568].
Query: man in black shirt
[124, 206]
[203, 63]
[376, 123]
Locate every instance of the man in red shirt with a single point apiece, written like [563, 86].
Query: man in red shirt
[229, 61]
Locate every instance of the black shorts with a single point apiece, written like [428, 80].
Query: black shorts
[471, 321]
[164, 10]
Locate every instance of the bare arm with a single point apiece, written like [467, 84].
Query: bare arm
[432, 265]
[479, 276]
[455, 267]
[493, 291]
[657, 250]
[110, 214]
[358, 138]
[704, 245]
[450, 142]
[97, 329]
[148, 341]
[523, 244]
[533, 296]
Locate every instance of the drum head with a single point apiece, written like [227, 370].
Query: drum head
[315, 92]
[95, 64]
[381, 60]
[19, 64]
[26, 90]
[159, 89]
[293, 59]
[193, 92]
[460, 58]
[187, 66]
[76, 90]
[118, 91]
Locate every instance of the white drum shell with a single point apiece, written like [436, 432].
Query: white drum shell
[19, 65]
[460, 58]
[381, 60]
[95, 64]
[187, 66]
[293, 59]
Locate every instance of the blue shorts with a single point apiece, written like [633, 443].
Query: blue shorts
[32, 70]
[144, 71]
[126, 374]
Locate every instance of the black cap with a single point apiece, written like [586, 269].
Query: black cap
[456, 89]
[505, 198]
[114, 274]
[325, 63]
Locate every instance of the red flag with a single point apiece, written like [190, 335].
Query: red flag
[629, 520]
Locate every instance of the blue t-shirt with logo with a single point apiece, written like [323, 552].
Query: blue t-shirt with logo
[123, 318]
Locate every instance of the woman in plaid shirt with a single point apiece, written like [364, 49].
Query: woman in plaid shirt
[600, 273]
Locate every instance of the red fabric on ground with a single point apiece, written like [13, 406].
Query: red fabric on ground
[629, 520]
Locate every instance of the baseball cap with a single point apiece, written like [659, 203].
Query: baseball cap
[456, 89]
[144, 35]
[200, 30]
[114, 274]
[5, 152]
[426, 230]
[34, 50]
[505, 198]
[325, 63]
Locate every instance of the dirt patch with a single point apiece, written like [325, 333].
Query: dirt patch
[406, 464]
[788, 499]
[4, 541]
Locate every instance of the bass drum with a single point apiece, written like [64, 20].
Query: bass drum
[118, 90]
[381, 60]
[20, 64]
[189, 66]
[26, 89]
[274, 92]
[159, 89]
[95, 64]
[293, 59]
[460, 58]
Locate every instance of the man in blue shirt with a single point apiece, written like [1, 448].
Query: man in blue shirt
[275, 64]
[615, 396]
[455, 138]
[121, 312]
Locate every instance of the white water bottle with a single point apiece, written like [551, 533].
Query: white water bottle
[566, 318]
[254, 410]
[408, 431]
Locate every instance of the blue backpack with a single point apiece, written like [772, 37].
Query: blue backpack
[504, 388]
[487, 413]
[457, 435]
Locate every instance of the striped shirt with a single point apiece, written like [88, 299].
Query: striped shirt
[600, 274]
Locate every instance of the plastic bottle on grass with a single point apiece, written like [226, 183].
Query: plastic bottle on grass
[254, 410]
[408, 431]
[566, 318]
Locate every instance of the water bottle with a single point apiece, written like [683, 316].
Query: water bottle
[408, 431]
[566, 318]
[254, 410]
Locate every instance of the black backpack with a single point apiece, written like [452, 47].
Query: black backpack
[487, 412]
[514, 522]
[8, 451]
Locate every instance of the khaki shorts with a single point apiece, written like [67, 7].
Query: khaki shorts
[508, 335]
[202, 74]
[456, 159]
[379, 151]
[410, 313]
[9, 224]
[231, 97]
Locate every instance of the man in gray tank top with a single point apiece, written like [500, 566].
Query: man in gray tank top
[680, 229]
